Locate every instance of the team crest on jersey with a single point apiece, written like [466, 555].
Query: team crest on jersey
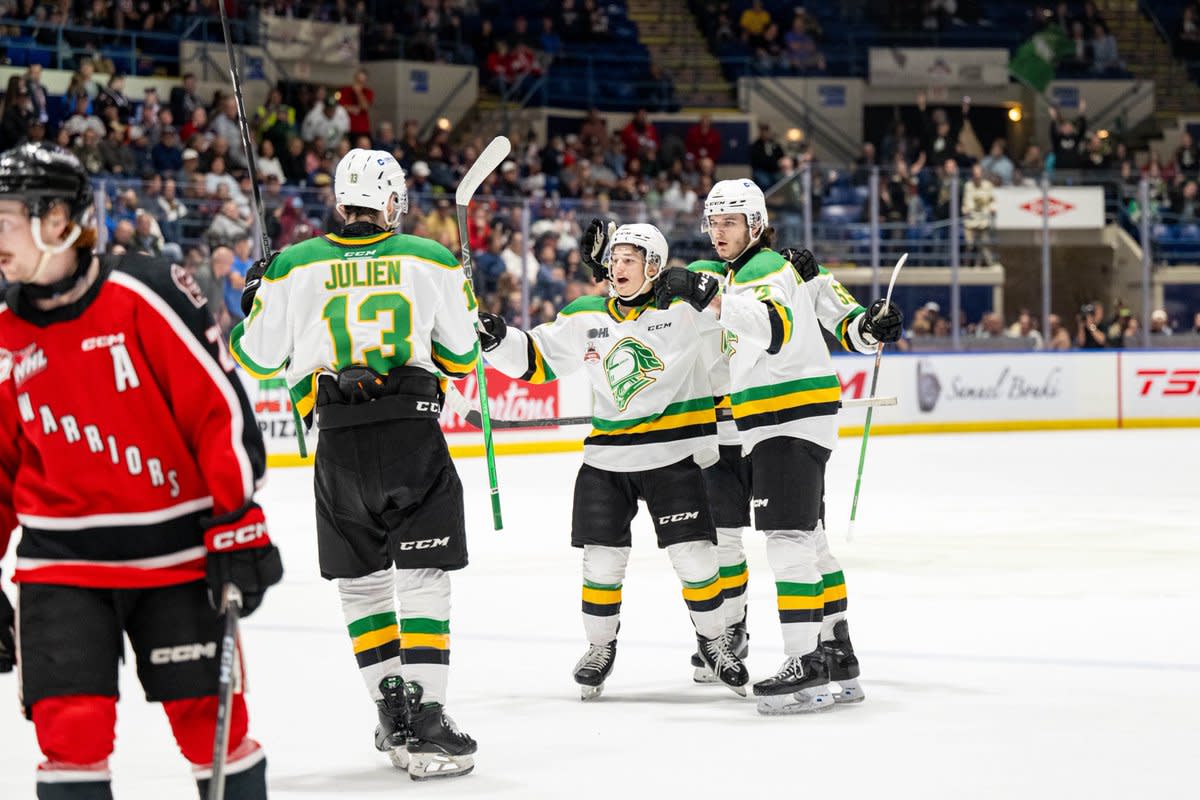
[27, 362]
[187, 284]
[728, 340]
[628, 367]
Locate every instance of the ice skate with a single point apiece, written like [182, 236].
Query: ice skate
[436, 747]
[391, 734]
[594, 668]
[739, 643]
[800, 687]
[723, 663]
[843, 665]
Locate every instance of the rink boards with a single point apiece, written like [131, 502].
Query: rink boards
[936, 393]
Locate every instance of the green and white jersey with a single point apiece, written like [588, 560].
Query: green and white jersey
[781, 377]
[652, 402]
[382, 301]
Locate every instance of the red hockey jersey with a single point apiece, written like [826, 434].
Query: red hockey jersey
[122, 426]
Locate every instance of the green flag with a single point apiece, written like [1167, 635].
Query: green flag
[1035, 61]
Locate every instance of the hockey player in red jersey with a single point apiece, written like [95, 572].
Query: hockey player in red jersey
[129, 456]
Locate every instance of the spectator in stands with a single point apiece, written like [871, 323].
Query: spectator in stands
[275, 120]
[597, 19]
[1088, 334]
[1095, 154]
[147, 238]
[998, 165]
[864, 164]
[1066, 136]
[222, 268]
[327, 120]
[225, 126]
[88, 151]
[122, 238]
[37, 132]
[1189, 33]
[37, 92]
[1196, 323]
[549, 41]
[802, 54]
[1059, 338]
[167, 157]
[83, 84]
[442, 225]
[1080, 58]
[991, 326]
[769, 55]
[637, 133]
[593, 133]
[1104, 51]
[523, 62]
[945, 178]
[168, 209]
[419, 183]
[978, 208]
[572, 23]
[183, 98]
[17, 114]
[1187, 156]
[702, 139]
[1185, 204]
[499, 67]
[753, 22]
[113, 96]
[765, 153]
[1160, 323]
[228, 225]
[1025, 327]
[357, 99]
[118, 158]
[266, 163]
[939, 137]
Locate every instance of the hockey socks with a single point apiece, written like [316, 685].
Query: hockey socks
[603, 573]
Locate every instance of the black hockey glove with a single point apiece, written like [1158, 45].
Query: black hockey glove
[593, 244]
[888, 326]
[240, 552]
[254, 277]
[492, 330]
[697, 288]
[803, 262]
[8, 647]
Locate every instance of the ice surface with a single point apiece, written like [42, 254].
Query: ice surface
[1024, 607]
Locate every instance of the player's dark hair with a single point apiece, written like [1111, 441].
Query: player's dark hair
[359, 211]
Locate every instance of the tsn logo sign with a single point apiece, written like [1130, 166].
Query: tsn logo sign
[1168, 382]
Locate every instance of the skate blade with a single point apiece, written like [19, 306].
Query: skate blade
[590, 692]
[704, 675]
[399, 757]
[806, 701]
[428, 766]
[849, 692]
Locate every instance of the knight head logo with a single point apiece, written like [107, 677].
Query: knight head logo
[628, 366]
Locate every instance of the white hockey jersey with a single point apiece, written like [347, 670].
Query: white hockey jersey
[648, 368]
[781, 377]
[382, 300]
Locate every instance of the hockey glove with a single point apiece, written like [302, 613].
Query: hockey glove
[8, 647]
[492, 330]
[885, 327]
[697, 288]
[803, 262]
[240, 552]
[254, 277]
[593, 244]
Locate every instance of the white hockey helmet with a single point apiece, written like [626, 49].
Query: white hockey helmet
[368, 179]
[653, 245]
[737, 196]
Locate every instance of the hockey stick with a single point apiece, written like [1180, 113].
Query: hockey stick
[255, 191]
[231, 603]
[723, 415]
[862, 453]
[496, 151]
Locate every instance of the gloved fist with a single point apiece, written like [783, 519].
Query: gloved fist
[254, 277]
[8, 646]
[593, 244]
[882, 327]
[240, 552]
[697, 288]
[492, 330]
[803, 262]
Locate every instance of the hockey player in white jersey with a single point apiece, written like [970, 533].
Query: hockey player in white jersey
[366, 325]
[653, 426]
[784, 394]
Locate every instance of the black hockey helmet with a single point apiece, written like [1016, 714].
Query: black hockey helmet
[40, 176]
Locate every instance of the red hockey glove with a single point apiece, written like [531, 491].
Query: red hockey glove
[240, 552]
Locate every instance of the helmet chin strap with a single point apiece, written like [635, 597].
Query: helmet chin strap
[44, 291]
[753, 241]
[647, 282]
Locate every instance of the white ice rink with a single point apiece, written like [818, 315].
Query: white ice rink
[1024, 607]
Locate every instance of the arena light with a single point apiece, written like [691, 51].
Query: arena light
[1103, 134]
[1014, 114]
[795, 135]
[443, 123]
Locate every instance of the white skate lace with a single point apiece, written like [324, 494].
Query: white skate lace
[721, 651]
[792, 668]
[597, 657]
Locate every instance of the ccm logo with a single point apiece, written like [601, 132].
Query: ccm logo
[678, 517]
[182, 653]
[425, 544]
[429, 405]
[243, 535]
[98, 342]
[1170, 381]
[760, 502]
[660, 326]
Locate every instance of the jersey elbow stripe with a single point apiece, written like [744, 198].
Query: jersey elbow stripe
[780, 328]
[844, 327]
[455, 364]
[539, 371]
[239, 354]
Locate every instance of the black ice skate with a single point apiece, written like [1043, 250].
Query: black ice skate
[739, 643]
[392, 732]
[436, 747]
[800, 687]
[594, 668]
[843, 665]
[723, 663]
